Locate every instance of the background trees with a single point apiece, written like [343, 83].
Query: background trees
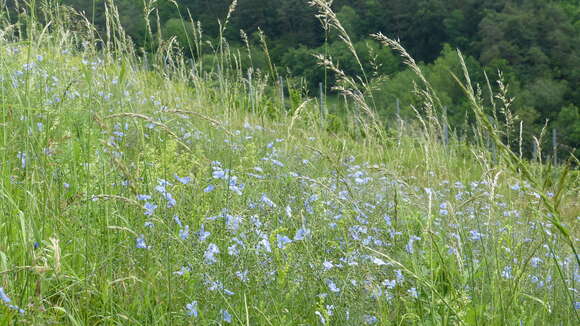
[536, 43]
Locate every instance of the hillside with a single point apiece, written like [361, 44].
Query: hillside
[163, 192]
[535, 43]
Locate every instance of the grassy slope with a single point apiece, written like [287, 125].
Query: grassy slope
[413, 233]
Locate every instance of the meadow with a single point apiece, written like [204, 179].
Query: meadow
[168, 191]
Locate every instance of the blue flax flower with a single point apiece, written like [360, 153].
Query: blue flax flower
[267, 201]
[140, 242]
[226, 316]
[149, 208]
[210, 253]
[4, 297]
[282, 241]
[302, 234]
[191, 309]
[184, 180]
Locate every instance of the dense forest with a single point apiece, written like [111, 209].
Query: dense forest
[534, 43]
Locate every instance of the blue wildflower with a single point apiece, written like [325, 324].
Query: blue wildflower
[184, 233]
[322, 319]
[399, 275]
[233, 222]
[4, 297]
[233, 250]
[235, 186]
[276, 162]
[210, 253]
[191, 309]
[474, 235]
[356, 231]
[327, 265]
[170, 200]
[243, 276]
[184, 180]
[226, 316]
[22, 157]
[330, 309]
[390, 284]
[28, 66]
[413, 292]
[267, 201]
[409, 246]
[214, 285]
[257, 176]
[149, 208]
[443, 209]
[302, 234]
[256, 221]
[332, 286]
[209, 188]
[507, 272]
[177, 220]
[265, 245]
[387, 219]
[140, 242]
[535, 261]
[219, 174]
[370, 320]
[163, 182]
[203, 234]
[161, 189]
[362, 181]
[182, 271]
[14, 307]
[282, 241]
[143, 197]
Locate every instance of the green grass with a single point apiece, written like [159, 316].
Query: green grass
[396, 230]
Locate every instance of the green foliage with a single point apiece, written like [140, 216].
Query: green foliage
[181, 30]
[568, 124]
[535, 43]
[400, 86]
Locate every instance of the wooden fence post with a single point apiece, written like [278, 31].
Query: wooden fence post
[322, 104]
[445, 127]
[399, 122]
[555, 145]
[281, 82]
[251, 91]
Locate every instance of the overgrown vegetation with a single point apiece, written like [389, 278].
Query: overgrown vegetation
[160, 190]
[535, 43]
